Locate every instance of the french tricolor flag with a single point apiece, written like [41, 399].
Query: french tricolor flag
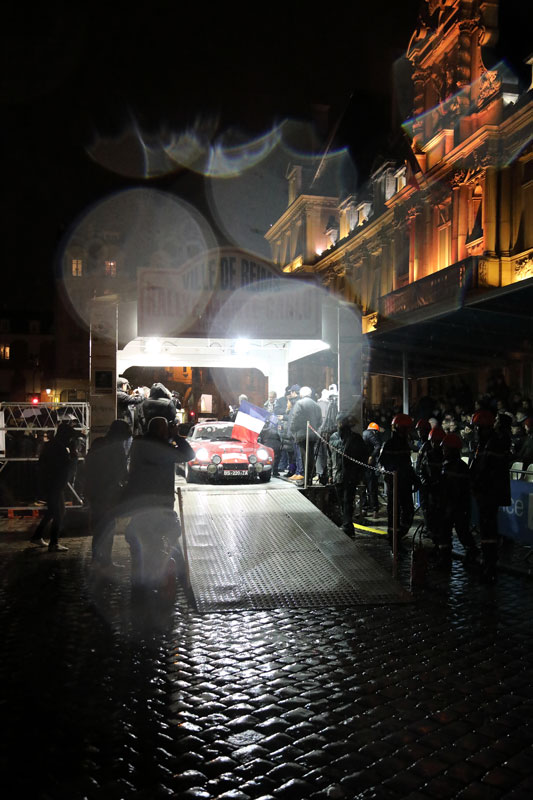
[250, 421]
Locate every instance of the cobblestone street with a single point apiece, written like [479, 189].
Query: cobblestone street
[430, 699]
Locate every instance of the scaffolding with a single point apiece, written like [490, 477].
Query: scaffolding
[24, 430]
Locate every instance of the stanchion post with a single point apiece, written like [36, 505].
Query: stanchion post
[306, 454]
[394, 523]
[184, 542]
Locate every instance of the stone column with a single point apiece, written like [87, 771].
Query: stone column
[516, 203]
[505, 211]
[456, 195]
[490, 210]
[462, 229]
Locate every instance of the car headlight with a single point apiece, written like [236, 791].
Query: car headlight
[216, 459]
[262, 454]
[202, 454]
[252, 459]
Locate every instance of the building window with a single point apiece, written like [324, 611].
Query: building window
[111, 269]
[34, 326]
[4, 325]
[77, 267]
[4, 352]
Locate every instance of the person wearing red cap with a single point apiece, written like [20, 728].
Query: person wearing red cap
[491, 483]
[423, 427]
[455, 502]
[430, 474]
[395, 456]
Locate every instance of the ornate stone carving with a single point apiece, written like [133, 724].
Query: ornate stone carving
[523, 268]
[413, 211]
[472, 169]
[489, 85]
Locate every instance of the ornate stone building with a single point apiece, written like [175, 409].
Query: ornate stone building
[437, 250]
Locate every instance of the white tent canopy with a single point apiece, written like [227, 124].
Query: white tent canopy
[271, 357]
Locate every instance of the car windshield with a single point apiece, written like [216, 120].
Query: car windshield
[214, 433]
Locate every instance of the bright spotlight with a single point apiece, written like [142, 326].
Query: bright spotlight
[152, 346]
[241, 347]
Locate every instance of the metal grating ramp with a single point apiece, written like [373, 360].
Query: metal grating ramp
[266, 549]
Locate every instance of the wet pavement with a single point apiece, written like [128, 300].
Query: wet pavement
[105, 699]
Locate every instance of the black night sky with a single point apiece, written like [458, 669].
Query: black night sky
[75, 75]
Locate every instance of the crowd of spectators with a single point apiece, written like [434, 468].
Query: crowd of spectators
[453, 413]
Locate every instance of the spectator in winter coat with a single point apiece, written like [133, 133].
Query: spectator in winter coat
[373, 441]
[454, 502]
[429, 474]
[106, 474]
[151, 487]
[517, 439]
[395, 456]
[159, 404]
[55, 467]
[491, 483]
[306, 411]
[525, 454]
[349, 454]
[271, 438]
[126, 401]
[270, 402]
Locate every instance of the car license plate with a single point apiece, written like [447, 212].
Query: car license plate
[235, 472]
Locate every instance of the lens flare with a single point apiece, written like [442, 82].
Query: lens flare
[246, 206]
[110, 245]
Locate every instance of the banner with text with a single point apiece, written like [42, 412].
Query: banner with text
[226, 293]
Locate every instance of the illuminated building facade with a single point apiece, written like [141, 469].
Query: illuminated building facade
[437, 250]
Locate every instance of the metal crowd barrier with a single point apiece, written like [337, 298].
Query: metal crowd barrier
[24, 430]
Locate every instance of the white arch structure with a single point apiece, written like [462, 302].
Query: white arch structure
[269, 356]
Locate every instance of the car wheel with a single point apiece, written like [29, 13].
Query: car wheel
[264, 478]
[190, 477]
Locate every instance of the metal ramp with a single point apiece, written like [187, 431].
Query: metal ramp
[261, 549]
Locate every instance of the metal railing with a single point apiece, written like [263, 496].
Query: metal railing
[450, 283]
[24, 430]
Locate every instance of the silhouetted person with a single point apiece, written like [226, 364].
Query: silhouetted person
[491, 483]
[455, 502]
[106, 474]
[55, 467]
[153, 532]
[395, 456]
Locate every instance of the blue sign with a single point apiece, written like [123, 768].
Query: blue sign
[516, 521]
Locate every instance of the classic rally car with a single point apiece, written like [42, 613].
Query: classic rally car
[220, 456]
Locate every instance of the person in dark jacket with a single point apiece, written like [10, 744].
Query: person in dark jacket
[106, 474]
[55, 468]
[271, 438]
[288, 442]
[454, 502]
[429, 474]
[491, 483]
[395, 456]
[159, 404]
[349, 454]
[372, 439]
[127, 401]
[306, 411]
[525, 454]
[151, 484]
